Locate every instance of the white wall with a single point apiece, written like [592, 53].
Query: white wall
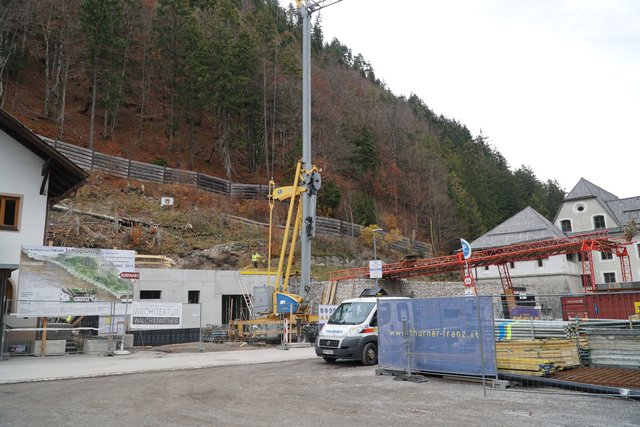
[582, 221]
[212, 284]
[552, 266]
[20, 175]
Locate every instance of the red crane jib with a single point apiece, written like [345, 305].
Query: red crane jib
[579, 243]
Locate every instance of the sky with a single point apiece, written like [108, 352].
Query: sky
[553, 84]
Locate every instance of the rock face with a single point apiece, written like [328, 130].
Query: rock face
[220, 257]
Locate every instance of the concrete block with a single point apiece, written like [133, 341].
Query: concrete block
[500, 384]
[97, 346]
[53, 348]
[128, 340]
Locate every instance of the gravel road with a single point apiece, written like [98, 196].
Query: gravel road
[302, 393]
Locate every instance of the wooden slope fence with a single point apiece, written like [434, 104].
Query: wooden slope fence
[92, 160]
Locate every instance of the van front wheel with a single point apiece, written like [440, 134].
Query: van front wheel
[303, 337]
[369, 354]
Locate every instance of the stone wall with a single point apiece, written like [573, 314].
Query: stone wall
[547, 290]
[416, 289]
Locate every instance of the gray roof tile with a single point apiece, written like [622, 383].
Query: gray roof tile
[525, 226]
[585, 189]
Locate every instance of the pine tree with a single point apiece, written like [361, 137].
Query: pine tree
[101, 23]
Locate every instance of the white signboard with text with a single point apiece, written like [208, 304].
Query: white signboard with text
[375, 269]
[155, 315]
[324, 312]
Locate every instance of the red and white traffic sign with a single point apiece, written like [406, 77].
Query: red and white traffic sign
[467, 280]
[130, 275]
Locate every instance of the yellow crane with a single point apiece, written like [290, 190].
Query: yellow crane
[284, 305]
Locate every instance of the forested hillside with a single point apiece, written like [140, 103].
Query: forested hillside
[215, 86]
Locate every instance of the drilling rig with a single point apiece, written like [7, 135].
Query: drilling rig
[275, 307]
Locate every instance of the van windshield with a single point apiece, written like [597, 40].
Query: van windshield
[351, 313]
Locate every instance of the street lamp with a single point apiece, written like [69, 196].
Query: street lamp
[375, 256]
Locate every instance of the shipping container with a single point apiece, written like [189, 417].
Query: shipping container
[616, 305]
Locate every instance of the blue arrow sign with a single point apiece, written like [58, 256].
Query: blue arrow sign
[466, 248]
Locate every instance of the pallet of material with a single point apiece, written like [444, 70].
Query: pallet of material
[536, 357]
[525, 366]
[616, 348]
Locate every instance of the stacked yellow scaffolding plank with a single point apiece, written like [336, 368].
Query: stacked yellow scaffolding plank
[536, 357]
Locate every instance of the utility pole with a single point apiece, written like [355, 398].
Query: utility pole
[375, 255]
[310, 178]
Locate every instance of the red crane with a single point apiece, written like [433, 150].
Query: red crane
[582, 244]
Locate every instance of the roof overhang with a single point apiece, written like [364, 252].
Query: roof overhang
[63, 175]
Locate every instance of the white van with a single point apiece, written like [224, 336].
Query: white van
[351, 332]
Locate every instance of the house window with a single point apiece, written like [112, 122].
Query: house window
[565, 225]
[609, 277]
[569, 257]
[598, 222]
[638, 248]
[606, 255]
[486, 268]
[539, 263]
[194, 297]
[149, 294]
[9, 212]
[512, 265]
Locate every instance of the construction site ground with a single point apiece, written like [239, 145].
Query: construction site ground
[601, 376]
[301, 391]
[209, 347]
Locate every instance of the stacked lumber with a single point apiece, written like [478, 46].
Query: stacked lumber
[536, 357]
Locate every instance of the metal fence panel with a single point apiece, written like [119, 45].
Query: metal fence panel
[442, 335]
[91, 327]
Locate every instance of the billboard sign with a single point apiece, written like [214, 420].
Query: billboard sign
[57, 281]
[439, 335]
[156, 315]
[525, 313]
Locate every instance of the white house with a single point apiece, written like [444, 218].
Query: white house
[589, 208]
[33, 175]
[586, 208]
